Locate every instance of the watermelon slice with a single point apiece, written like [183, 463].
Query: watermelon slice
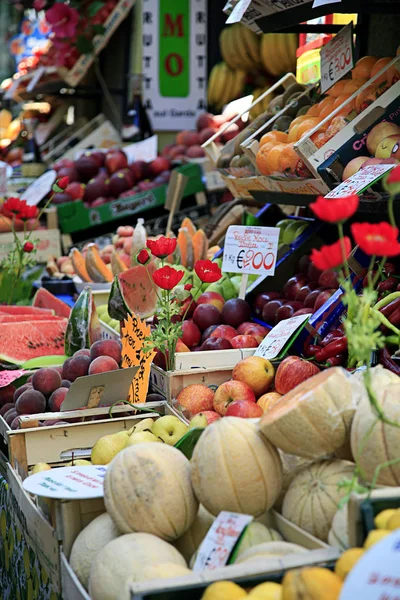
[83, 327]
[45, 299]
[25, 310]
[29, 318]
[133, 292]
[20, 342]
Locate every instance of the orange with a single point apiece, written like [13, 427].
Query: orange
[343, 98]
[338, 123]
[272, 159]
[366, 97]
[338, 88]
[325, 102]
[363, 67]
[319, 138]
[274, 136]
[314, 110]
[288, 160]
[297, 121]
[353, 85]
[261, 158]
[389, 75]
[307, 126]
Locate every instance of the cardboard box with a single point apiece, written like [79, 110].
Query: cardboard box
[242, 187]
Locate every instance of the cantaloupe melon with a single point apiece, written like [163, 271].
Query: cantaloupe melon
[162, 571]
[313, 496]
[235, 468]
[270, 550]
[339, 533]
[190, 541]
[200, 246]
[122, 561]
[189, 226]
[314, 419]
[89, 543]
[374, 445]
[147, 488]
[291, 465]
[97, 269]
[185, 248]
[255, 534]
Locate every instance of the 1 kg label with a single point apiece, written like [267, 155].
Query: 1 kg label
[250, 250]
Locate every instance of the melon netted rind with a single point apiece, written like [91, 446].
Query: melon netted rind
[121, 562]
[270, 550]
[313, 496]
[147, 488]
[132, 292]
[88, 544]
[235, 468]
[339, 533]
[255, 534]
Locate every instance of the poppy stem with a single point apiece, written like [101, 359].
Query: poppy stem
[379, 271]
[343, 248]
[391, 211]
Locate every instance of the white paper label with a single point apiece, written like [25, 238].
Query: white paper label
[68, 483]
[273, 343]
[238, 11]
[145, 150]
[220, 540]
[39, 188]
[376, 576]
[250, 250]
[337, 58]
[214, 181]
[360, 181]
[323, 2]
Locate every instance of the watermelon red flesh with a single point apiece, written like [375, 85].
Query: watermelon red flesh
[21, 341]
[45, 299]
[25, 310]
[133, 293]
[29, 318]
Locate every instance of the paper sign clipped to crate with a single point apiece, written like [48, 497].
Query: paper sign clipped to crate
[360, 181]
[250, 250]
[217, 546]
[337, 58]
[281, 336]
[134, 335]
[68, 483]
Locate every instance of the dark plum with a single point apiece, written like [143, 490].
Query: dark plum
[310, 300]
[293, 286]
[207, 333]
[270, 310]
[216, 344]
[235, 312]
[262, 299]
[284, 312]
[206, 315]
[303, 293]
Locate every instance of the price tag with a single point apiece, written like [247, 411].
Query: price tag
[145, 150]
[337, 58]
[214, 181]
[220, 540]
[360, 181]
[376, 576]
[7, 377]
[238, 11]
[39, 188]
[250, 250]
[134, 334]
[68, 483]
[280, 336]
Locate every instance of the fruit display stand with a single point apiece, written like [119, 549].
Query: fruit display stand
[363, 508]
[74, 216]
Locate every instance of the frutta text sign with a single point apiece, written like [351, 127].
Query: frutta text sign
[250, 250]
[337, 58]
[174, 62]
[135, 333]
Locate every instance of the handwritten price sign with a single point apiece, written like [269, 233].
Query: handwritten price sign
[134, 334]
[250, 250]
[279, 336]
[337, 58]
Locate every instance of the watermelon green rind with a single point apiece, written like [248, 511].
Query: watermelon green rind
[83, 327]
[44, 361]
[132, 292]
[20, 342]
[45, 299]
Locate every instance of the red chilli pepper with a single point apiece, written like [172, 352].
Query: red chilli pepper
[336, 334]
[387, 285]
[336, 361]
[394, 318]
[332, 349]
[387, 362]
[311, 350]
[390, 308]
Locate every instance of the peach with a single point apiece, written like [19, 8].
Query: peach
[380, 132]
[190, 138]
[106, 348]
[6, 394]
[196, 398]
[229, 392]
[103, 364]
[181, 347]
[57, 398]
[212, 298]
[224, 331]
[195, 151]
[75, 367]
[353, 166]
[46, 380]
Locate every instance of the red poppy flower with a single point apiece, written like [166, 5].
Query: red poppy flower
[392, 181]
[188, 287]
[143, 257]
[329, 257]
[13, 207]
[207, 271]
[167, 278]
[28, 212]
[28, 247]
[162, 247]
[335, 210]
[377, 239]
[63, 20]
[60, 185]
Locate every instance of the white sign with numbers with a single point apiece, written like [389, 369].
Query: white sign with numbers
[337, 58]
[250, 249]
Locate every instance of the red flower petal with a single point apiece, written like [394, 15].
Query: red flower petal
[167, 278]
[207, 271]
[329, 257]
[335, 210]
[376, 239]
[162, 247]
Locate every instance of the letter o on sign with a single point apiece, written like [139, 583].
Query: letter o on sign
[174, 64]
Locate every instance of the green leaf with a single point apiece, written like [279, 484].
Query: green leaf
[99, 29]
[94, 8]
[84, 45]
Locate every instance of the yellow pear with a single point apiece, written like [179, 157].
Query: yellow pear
[108, 446]
[144, 425]
[140, 437]
[267, 591]
[224, 590]
[381, 519]
[41, 466]
[79, 462]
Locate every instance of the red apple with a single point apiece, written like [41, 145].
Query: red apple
[242, 328]
[310, 300]
[212, 298]
[177, 152]
[96, 188]
[158, 165]
[303, 293]
[313, 273]
[229, 392]
[181, 347]
[119, 183]
[206, 134]
[195, 152]
[303, 311]
[329, 279]
[204, 418]
[191, 334]
[244, 409]
[70, 172]
[140, 170]
[245, 341]
[256, 330]
[98, 156]
[256, 371]
[262, 299]
[322, 298]
[76, 190]
[224, 331]
[206, 315]
[87, 167]
[293, 286]
[292, 371]
[63, 163]
[115, 161]
[196, 398]
[270, 309]
[204, 120]
[216, 344]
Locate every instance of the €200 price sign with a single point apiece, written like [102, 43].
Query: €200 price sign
[250, 250]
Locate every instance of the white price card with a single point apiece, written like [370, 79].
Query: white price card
[39, 188]
[220, 540]
[145, 150]
[250, 250]
[376, 576]
[360, 181]
[337, 58]
[318, 3]
[68, 483]
[238, 11]
[279, 336]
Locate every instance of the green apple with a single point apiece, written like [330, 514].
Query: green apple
[39, 467]
[144, 425]
[79, 462]
[170, 429]
[140, 437]
[199, 420]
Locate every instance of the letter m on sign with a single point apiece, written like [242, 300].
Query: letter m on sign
[173, 26]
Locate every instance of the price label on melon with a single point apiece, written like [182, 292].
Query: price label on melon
[376, 576]
[337, 58]
[134, 334]
[7, 377]
[68, 483]
[281, 337]
[250, 250]
[217, 546]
